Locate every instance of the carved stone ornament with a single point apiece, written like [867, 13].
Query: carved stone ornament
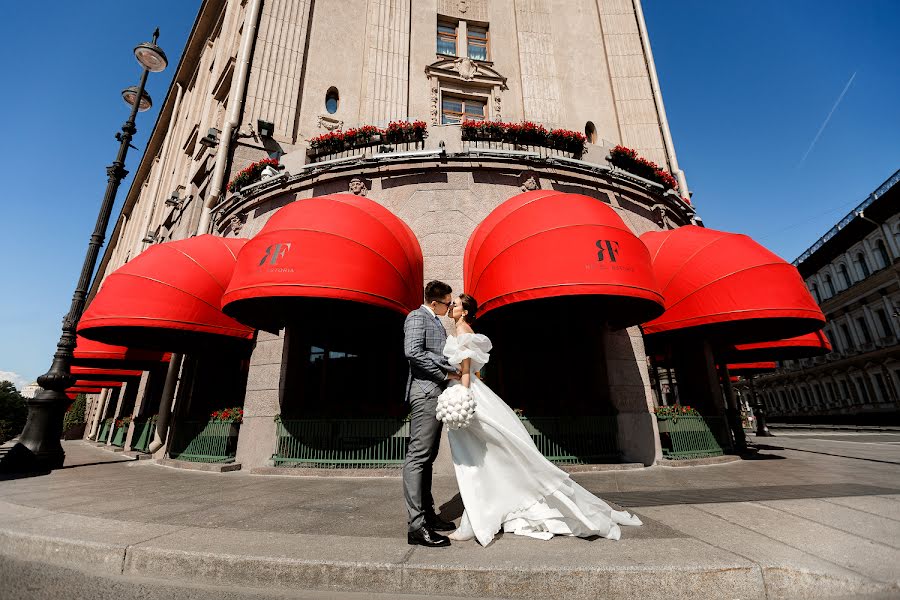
[358, 187]
[530, 181]
[497, 114]
[659, 214]
[330, 123]
[236, 223]
[434, 102]
[463, 6]
[466, 67]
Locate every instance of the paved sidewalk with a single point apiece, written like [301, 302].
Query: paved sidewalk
[809, 518]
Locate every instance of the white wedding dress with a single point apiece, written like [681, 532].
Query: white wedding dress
[504, 480]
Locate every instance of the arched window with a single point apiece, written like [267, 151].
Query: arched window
[863, 265]
[590, 131]
[332, 98]
[829, 285]
[883, 253]
[845, 275]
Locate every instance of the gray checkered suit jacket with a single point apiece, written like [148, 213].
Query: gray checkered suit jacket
[423, 344]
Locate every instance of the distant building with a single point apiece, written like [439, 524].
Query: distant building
[30, 390]
[853, 271]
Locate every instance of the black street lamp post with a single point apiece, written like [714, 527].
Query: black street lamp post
[38, 447]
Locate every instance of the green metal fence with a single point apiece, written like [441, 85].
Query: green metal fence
[118, 438]
[575, 440]
[204, 441]
[143, 433]
[693, 436]
[371, 443]
[342, 443]
[104, 430]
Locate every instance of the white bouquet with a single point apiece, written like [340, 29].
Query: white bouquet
[456, 406]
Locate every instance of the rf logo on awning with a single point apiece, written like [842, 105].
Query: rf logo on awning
[608, 249]
[274, 253]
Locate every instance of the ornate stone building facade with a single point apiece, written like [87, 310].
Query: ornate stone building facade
[262, 78]
[854, 273]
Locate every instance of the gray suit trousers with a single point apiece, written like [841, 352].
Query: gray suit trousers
[424, 441]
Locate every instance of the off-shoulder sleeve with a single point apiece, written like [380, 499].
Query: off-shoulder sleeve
[468, 345]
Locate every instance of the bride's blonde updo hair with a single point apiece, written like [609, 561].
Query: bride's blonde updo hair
[470, 305]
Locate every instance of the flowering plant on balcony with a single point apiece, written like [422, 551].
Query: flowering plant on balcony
[567, 140]
[482, 130]
[250, 173]
[360, 136]
[526, 133]
[123, 422]
[398, 132]
[333, 141]
[228, 415]
[628, 160]
[674, 411]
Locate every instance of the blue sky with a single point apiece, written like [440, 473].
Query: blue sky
[747, 88]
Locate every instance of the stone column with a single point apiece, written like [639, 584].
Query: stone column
[262, 402]
[119, 395]
[142, 389]
[99, 409]
[630, 392]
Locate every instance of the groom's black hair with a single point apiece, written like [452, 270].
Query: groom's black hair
[436, 290]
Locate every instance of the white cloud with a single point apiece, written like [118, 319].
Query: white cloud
[16, 379]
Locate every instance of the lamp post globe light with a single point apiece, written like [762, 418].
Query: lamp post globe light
[37, 447]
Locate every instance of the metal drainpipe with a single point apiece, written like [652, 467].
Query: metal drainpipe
[238, 90]
[657, 98]
[98, 411]
[151, 210]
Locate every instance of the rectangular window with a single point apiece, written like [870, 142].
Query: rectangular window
[885, 324]
[848, 341]
[862, 390]
[454, 110]
[882, 388]
[477, 43]
[866, 336]
[446, 39]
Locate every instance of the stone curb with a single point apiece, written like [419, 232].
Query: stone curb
[698, 462]
[194, 466]
[415, 570]
[398, 472]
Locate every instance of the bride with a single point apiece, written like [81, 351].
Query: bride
[504, 480]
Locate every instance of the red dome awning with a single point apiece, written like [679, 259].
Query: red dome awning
[169, 298]
[92, 374]
[726, 287]
[751, 368]
[803, 346]
[83, 383]
[326, 248]
[72, 395]
[546, 244]
[89, 353]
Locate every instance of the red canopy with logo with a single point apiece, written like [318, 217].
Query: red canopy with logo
[751, 368]
[83, 390]
[324, 249]
[89, 353]
[168, 298]
[92, 374]
[803, 346]
[547, 244]
[83, 383]
[726, 287]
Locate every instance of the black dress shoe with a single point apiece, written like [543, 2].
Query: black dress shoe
[435, 523]
[424, 537]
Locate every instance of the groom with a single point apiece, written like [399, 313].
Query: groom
[423, 342]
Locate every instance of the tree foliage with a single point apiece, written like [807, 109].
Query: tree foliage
[13, 411]
[75, 415]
